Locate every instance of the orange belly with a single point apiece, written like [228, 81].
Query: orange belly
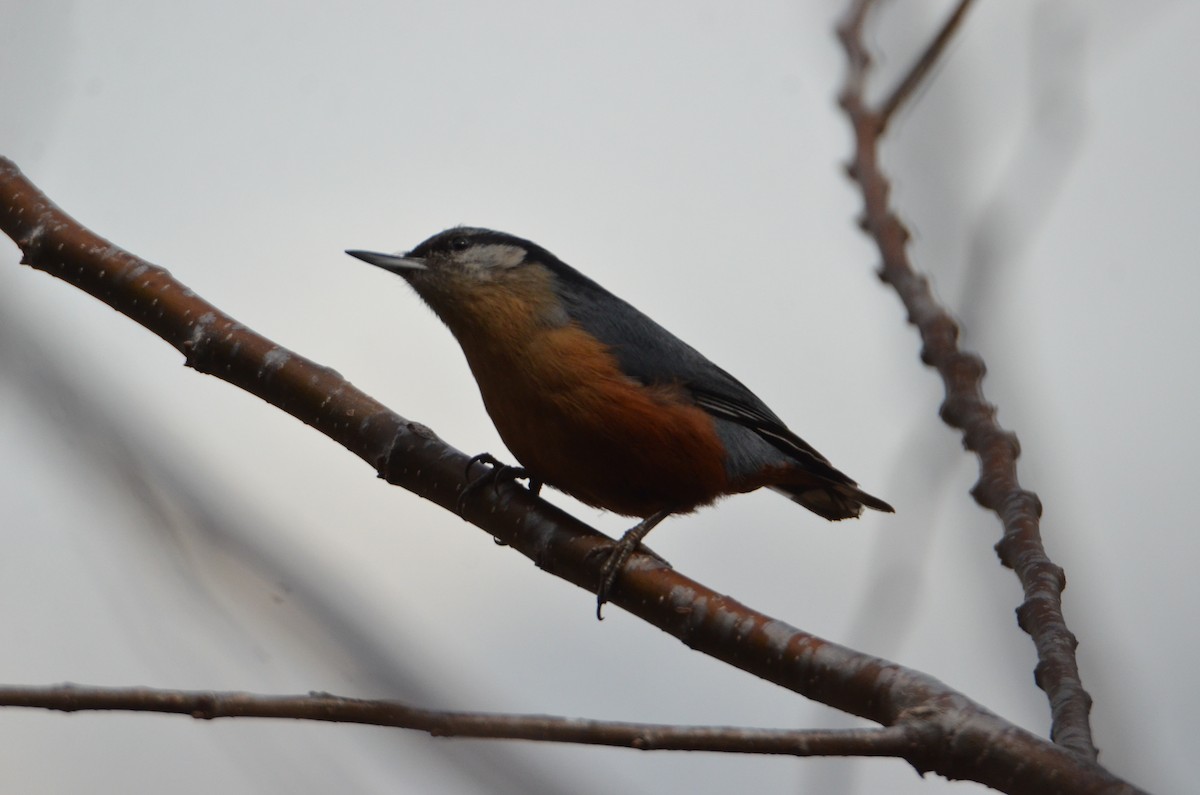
[574, 421]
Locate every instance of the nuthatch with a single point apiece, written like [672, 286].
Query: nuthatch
[598, 400]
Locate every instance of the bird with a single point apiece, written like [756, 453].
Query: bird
[597, 400]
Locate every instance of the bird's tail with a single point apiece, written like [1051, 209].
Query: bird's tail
[831, 500]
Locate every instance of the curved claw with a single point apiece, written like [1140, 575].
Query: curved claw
[619, 553]
[500, 473]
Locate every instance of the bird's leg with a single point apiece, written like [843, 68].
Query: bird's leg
[619, 553]
[500, 473]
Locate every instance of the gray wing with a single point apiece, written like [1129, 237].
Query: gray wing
[653, 355]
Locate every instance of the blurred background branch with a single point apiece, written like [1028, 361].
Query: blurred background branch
[965, 407]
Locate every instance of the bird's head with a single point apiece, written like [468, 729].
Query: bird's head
[479, 279]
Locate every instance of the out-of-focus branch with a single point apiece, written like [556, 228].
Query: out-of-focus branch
[208, 705]
[919, 71]
[959, 738]
[966, 408]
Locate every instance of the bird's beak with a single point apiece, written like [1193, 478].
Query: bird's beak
[396, 263]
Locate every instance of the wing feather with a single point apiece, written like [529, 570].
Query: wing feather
[648, 352]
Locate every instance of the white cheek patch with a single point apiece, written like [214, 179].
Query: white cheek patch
[486, 261]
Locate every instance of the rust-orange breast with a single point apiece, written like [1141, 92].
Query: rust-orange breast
[576, 422]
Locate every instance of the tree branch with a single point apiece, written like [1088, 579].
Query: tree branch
[965, 407]
[208, 705]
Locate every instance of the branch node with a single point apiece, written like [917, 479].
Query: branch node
[205, 707]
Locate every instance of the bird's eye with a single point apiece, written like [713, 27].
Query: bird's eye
[459, 244]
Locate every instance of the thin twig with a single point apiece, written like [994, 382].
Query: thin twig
[965, 407]
[920, 69]
[208, 705]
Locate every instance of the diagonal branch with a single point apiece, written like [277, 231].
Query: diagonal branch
[960, 739]
[965, 408]
[919, 71]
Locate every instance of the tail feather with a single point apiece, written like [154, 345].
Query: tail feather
[833, 501]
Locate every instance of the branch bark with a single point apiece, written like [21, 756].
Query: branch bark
[965, 406]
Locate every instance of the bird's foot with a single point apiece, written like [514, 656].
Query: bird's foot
[498, 474]
[619, 553]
